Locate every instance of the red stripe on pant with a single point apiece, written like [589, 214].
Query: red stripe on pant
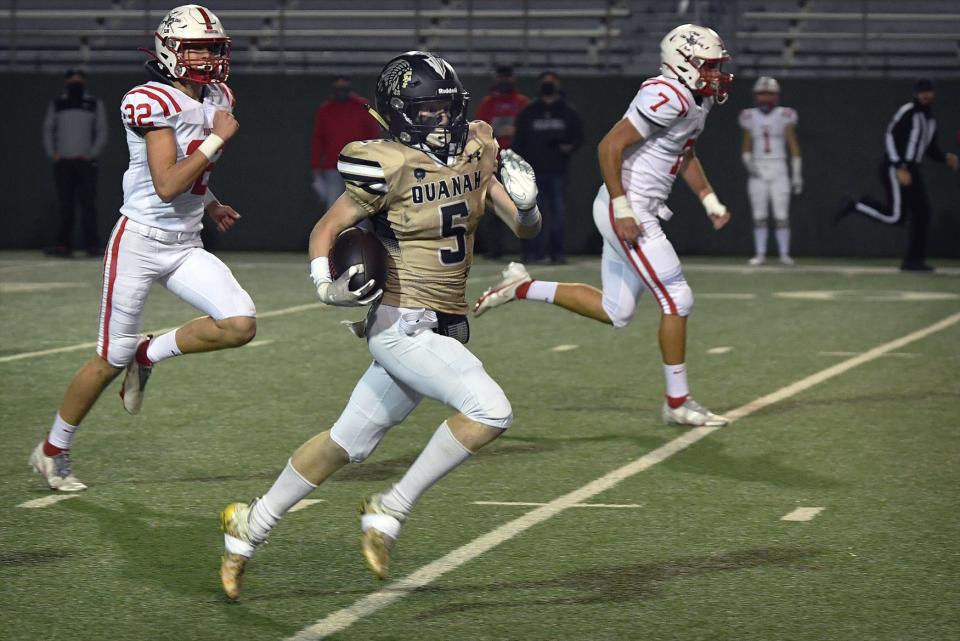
[653, 275]
[108, 303]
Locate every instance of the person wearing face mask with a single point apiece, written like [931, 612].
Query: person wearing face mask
[340, 120]
[548, 133]
[74, 134]
[911, 135]
[499, 108]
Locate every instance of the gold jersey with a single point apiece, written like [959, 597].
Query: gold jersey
[425, 213]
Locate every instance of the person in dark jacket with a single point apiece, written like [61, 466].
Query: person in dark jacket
[548, 132]
[911, 135]
[74, 134]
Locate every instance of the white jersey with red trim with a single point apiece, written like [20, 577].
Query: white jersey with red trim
[156, 104]
[669, 118]
[768, 131]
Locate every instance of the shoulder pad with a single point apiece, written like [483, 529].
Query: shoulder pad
[148, 106]
[661, 102]
[366, 167]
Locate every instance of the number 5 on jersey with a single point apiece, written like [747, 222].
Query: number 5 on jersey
[453, 217]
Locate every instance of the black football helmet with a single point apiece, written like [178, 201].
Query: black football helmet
[415, 90]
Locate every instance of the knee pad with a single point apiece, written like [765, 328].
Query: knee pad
[619, 315]
[682, 297]
[359, 431]
[493, 412]
[781, 223]
[121, 349]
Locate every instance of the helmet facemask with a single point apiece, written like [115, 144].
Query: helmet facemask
[439, 124]
[190, 64]
[712, 81]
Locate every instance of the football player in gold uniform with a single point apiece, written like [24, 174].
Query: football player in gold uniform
[424, 190]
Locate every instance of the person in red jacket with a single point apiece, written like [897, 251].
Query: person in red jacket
[340, 120]
[499, 108]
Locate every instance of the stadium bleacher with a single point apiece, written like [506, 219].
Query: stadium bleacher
[588, 37]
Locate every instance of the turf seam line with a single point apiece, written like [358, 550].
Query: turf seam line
[79, 346]
[345, 617]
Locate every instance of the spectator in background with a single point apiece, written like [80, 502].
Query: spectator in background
[549, 130]
[74, 134]
[910, 136]
[500, 108]
[340, 120]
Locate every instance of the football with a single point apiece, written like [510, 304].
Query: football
[355, 246]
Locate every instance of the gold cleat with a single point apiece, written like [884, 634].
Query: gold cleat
[238, 547]
[376, 544]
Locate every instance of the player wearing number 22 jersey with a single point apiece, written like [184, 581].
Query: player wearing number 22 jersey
[425, 190]
[640, 158]
[176, 126]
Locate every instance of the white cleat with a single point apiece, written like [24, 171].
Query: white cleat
[380, 527]
[135, 381]
[756, 261]
[786, 260]
[57, 470]
[512, 276]
[692, 413]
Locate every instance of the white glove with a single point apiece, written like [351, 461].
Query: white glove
[749, 164]
[518, 179]
[338, 292]
[796, 175]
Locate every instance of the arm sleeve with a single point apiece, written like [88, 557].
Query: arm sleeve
[366, 169]
[49, 125]
[656, 106]
[898, 137]
[100, 130]
[934, 152]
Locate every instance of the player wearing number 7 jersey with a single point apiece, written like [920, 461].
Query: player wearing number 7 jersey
[176, 126]
[640, 157]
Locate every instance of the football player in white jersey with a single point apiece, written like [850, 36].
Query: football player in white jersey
[176, 126]
[640, 157]
[768, 132]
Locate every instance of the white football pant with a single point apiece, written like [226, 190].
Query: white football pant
[137, 256]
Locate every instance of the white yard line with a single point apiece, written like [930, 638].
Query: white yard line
[27, 288]
[528, 504]
[723, 296]
[342, 619]
[80, 346]
[304, 504]
[900, 354]
[47, 500]
[719, 350]
[262, 343]
[563, 348]
[802, 514]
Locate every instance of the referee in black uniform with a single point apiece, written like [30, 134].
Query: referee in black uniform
[911, 134]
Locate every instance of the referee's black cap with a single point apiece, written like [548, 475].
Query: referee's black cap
[923, 84]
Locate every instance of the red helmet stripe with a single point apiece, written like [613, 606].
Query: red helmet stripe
[206, 17]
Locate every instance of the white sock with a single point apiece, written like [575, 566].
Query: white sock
[61, 434]
[541, 290]
[676, 376]
[760, 240]
[441, 455]
[286, 492]
[163, 347]
[783, 240]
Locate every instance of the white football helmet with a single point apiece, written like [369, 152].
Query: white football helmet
[766, 84]
[190, 26]
[694, 55]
